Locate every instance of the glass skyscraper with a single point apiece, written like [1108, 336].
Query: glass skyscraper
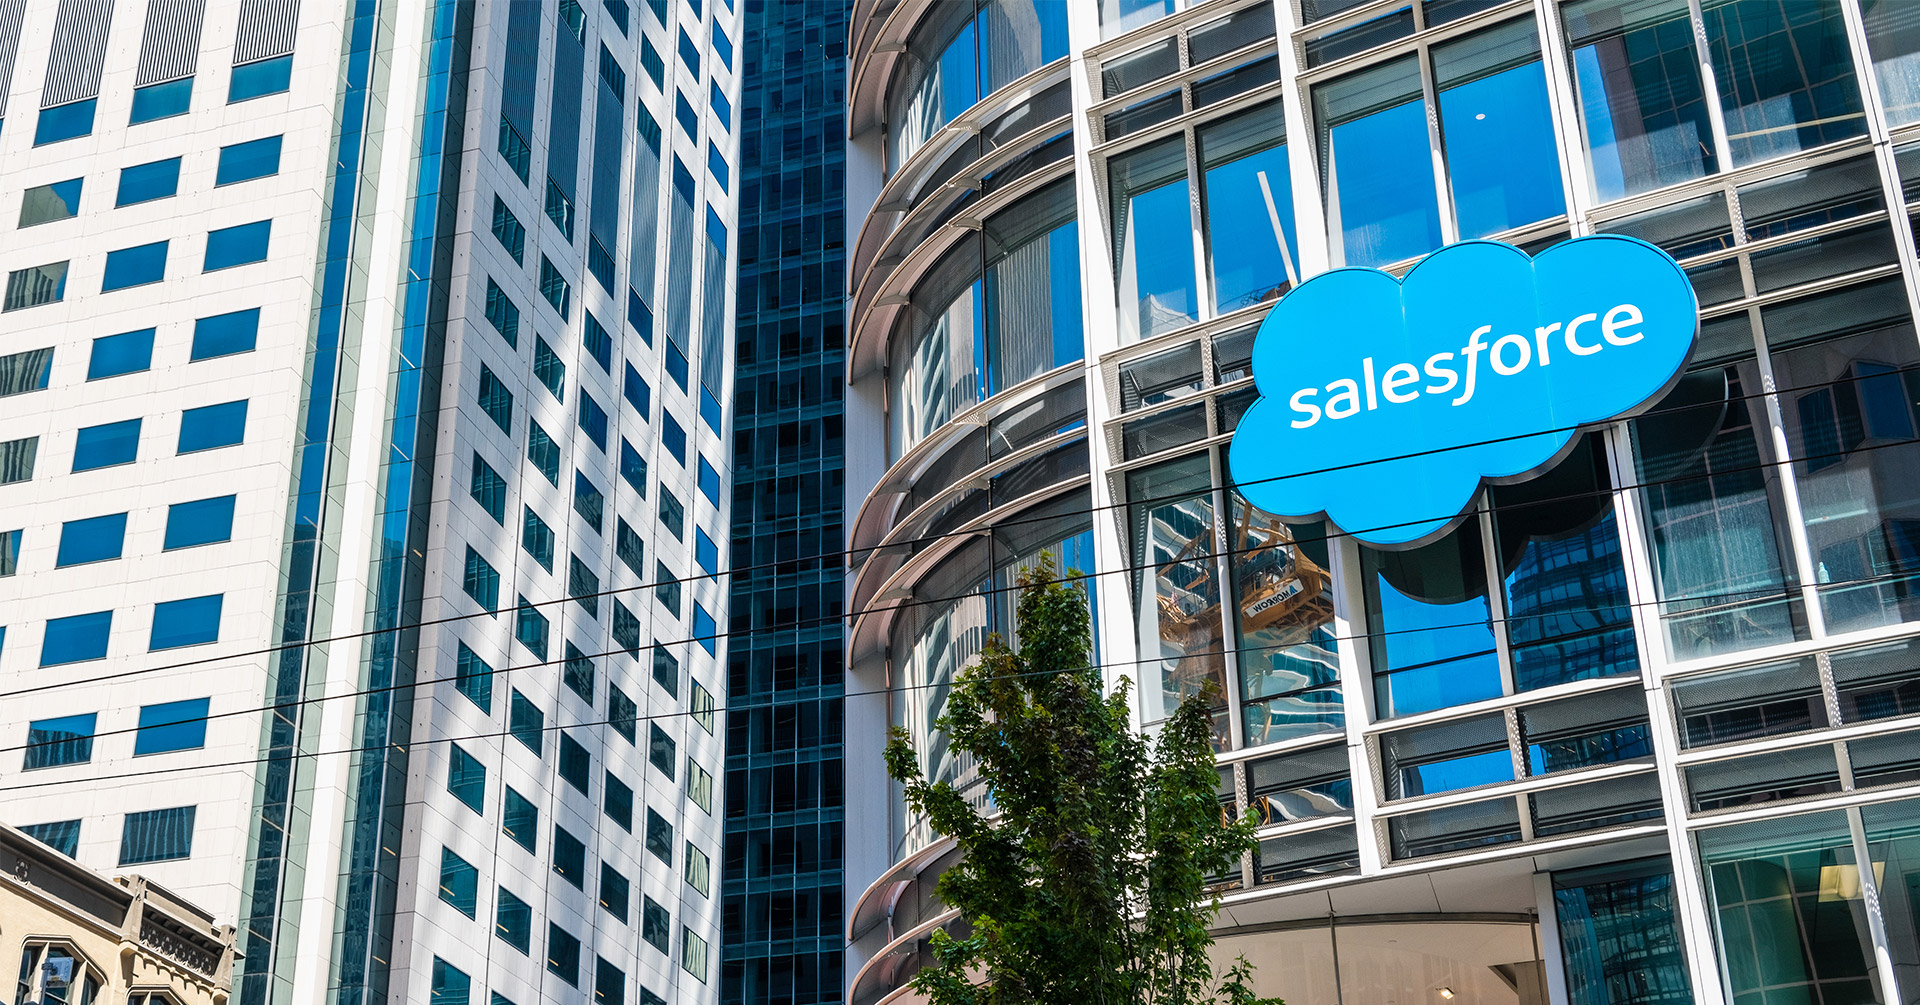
[1637, 729]
[365, 378]
[782, 893]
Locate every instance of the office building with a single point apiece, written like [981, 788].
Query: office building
[1638, 729]
[365, 373]
[782, 892]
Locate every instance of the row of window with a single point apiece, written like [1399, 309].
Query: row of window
[148, 836]
[154, 180]
[164, 728]
[142, 265]
[103, 538]
[164, 100]
[80, 638]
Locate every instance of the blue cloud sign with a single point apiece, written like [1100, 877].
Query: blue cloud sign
[1384, 404]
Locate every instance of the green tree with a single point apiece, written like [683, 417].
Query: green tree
[1089, 885]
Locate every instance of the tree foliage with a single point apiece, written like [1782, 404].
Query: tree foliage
[1088, 885]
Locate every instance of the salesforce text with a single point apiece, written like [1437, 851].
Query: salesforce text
[1508, 355]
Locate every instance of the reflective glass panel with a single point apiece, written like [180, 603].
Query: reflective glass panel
[1178, 590]
[1645, 113]
[1153, 240]
[1431, 624]
[1785, 74]
[1373, 125]
[1283, 622]
[1501, 161]
[1893, 36]
[1251, 242]
[1620, 935]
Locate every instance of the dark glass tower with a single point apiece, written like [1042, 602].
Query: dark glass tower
[783, 928]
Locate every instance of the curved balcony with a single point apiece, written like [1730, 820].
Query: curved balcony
[957, 161]
[924, 62]
[943, 474]
[896, 963]
[913, 246]
[877, 904]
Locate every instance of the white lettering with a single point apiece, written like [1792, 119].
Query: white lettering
[1306, 408]
[1573, 345]
[1398, 376]
[1618, 318]
[1472, 351]
[1366, 378]
[1437, 372]
[1343, 390]
[1526, 355]
[1540, 336]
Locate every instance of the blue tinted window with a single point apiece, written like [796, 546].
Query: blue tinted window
[1373, 124]
[1638, 77]
[495, 399]
[519, 819]
[157, 836]
[474, 678]
[503, 314]
[684, 114]
[710, 406]
[1435, 644]
[1771, 109]
[619, 12]
[575, 763]
[637, 391]
[536, 537]
[230, 246]
[203, 521]
[1150, 200]
[531, 628]
[188, 622]
[599, 344]
[1244, 169]
[1501, 160]
[488, 488]
[114, 355]
[211, 426]
[95, 539]
[226, 334]
[588, 500]
[673, 437]
[267, 76]
[633, 468]
[639, 316]
[593, 420]
[481, 581]
[705, 631]
[249, 160]
[147, 182]
[705, 552]
[466, 778]
[173, 725]
[161, 101]
[543, 452]
[53, 742]
[105, 445]
[651, 62]
[76, 638]
[64, 122]
[48, 203]
[689, 53]
[722, 108]
[709, 482]
[563, 953]
[676, 363]
[62, 836]
[525, 720]
[717, 166]
[135, 266]
[548, 369]
[722, 46]
[512, 917]
[459, 886]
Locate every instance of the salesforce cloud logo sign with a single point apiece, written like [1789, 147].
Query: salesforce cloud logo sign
[1385, 403]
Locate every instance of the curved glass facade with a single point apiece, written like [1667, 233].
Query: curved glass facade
[999, 307]
[1646, 714]
[972, 594]
[961, 52]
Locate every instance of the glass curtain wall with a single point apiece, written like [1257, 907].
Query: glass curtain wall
[1499, 168]
[1276, 634]
[1000, 307]
[1716, 490]
[1783, 72]
[967, 597]
[1441, 634]
[962, 52]
[1247, 251]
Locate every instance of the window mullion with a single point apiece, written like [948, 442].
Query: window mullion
[1710, 87]
[1442, 191]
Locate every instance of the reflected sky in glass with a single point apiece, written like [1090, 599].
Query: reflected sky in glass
[1381, 213]
[1250, 265]
[1500, 152]
[1156, 269]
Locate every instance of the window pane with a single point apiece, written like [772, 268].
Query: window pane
[225, 334]
[1621, 906]
[1373, 124]
[211, 426]
[1502, 165]
[47, 203]
[249, 160]
[42, 284]
[266, 76]
[1713, 506]
[1289, 668]
[203, 521]
[114, 355]
[1893, 36]
[1787, 896]
[146, 182]
[1249, 197]
[157, 836]
[1637, 73]
[53, 742]
[106, 445]
[64, 122]
[189, 622]
[160, 101]
[1785, 73]
[173, 725]
[135, 266]
[1153, 240]
[239, 245]
[94, 539]
[1432, 640]
[76, 638]
[1178, 595]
